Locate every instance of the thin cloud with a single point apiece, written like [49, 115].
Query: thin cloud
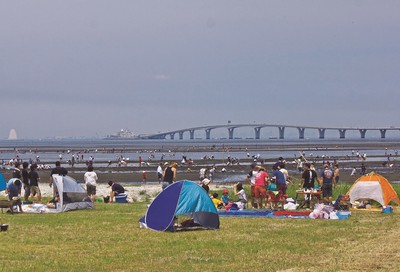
[161, 77]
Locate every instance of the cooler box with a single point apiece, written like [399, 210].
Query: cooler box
[121, 198]
[387, 209]
[343, 214]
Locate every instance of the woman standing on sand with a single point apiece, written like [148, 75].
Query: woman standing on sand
[169, 175]
[90, 178]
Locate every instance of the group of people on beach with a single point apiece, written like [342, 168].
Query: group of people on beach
[28, 179]
[273, 189]
[266, 191]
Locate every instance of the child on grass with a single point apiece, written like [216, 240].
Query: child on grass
[217, 202]
[239, 191]
[225, 196]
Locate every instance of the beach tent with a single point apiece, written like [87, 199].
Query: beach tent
[181, 198]
[373, 186]
[71, 194]
[3, 183]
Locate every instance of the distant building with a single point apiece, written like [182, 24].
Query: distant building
[12, 135]
[123, 133]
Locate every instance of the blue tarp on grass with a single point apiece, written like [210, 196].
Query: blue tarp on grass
[264, 213]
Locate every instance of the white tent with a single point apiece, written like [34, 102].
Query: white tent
[71, 194]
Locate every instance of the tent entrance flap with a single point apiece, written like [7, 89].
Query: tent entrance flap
[71, 195]
[375, 187]
[161, 213]
[368, 190]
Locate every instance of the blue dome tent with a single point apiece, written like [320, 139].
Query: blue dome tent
[181, 198]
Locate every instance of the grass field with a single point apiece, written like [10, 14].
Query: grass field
[109, 239]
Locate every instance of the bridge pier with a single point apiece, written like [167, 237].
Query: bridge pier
[301, 132]
[180, 135]
[342, 133]
[230, 131]
[281, 132]
[208, 133]
[191, 134]
[321, 133]
[383, 133]
[257, 131]
[362, 132]
[172, 135]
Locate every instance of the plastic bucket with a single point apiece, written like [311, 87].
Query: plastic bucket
[3, 227]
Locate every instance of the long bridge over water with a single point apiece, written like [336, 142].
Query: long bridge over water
[258, 130]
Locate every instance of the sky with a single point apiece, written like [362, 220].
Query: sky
[91, 67]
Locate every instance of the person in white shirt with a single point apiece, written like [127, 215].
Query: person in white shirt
[90, 178]
[160, 172]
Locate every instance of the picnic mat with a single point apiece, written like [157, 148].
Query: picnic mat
[265, 213]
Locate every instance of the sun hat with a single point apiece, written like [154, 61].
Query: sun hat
[206, 181]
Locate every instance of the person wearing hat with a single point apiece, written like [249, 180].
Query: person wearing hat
[116, 189]
[204, 184]
[13, 189]
[225, 196]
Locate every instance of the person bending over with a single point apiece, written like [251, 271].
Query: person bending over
[116, 189]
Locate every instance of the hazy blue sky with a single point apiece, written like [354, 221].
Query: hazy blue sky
[90, 68]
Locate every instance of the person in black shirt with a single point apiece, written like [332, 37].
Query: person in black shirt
[17, 171]
[59, 170]
[25, 181]
[169, 175]
[308, 179]
[116, 189]
[34, 183]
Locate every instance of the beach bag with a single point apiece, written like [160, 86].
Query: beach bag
[233, 207]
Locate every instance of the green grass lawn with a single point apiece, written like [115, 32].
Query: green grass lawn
[109, 239]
